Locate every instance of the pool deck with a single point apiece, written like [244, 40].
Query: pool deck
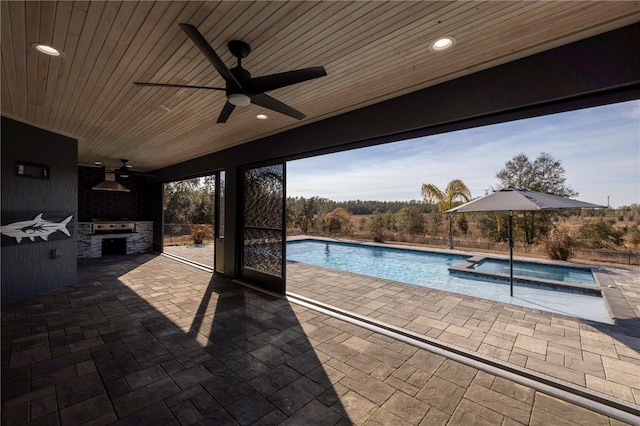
[146, 339]
[601, 357]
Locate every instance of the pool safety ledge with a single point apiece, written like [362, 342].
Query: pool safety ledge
[587, 398]
[467, 269]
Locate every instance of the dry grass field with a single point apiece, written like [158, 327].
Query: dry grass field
[473, 241]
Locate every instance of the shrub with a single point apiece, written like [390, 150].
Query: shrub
[410, 221]
[558, 244]
[200, 232]
[338, 220]
[376, 228]
[599, 234]
[494, 226]
[390, 222]
[634, 236]
[463, 224]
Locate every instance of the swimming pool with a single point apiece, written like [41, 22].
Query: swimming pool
[431, 269]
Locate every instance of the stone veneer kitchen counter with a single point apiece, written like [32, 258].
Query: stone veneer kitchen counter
[90, 245]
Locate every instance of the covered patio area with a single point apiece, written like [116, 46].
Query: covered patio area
[144, 339]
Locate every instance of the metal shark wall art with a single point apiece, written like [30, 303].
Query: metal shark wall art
[35, 228]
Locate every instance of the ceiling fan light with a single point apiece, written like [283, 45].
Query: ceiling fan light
[239, 99]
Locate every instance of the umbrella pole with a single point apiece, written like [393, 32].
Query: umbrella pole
[511, 253]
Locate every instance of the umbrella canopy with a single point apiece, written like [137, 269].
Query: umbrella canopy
[515, 199]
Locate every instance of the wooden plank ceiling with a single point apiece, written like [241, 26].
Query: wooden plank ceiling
[372, 51]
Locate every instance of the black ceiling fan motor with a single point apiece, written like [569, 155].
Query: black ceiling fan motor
[239, 49]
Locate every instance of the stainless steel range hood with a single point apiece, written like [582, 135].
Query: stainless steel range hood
[110, 184]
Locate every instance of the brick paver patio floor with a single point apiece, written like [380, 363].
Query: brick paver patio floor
[601, 357]
[148, 340]
[201, 253]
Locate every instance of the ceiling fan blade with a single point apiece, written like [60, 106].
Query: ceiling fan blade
[226, 112]
[276, 81]
[275, 105]
[199, 40]
[182, 86]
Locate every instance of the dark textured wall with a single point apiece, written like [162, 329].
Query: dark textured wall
[134, 205]
[28, 268]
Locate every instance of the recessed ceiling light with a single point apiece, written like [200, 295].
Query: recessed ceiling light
[98, 163]
[261, 117]
[47, 50]
[160, 108]
[442, 43]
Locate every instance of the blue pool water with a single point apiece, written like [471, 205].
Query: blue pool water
[540, 271]
[408, 266]
[430, 269]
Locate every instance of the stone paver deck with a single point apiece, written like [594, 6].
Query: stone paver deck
[199, 253]
[601, 357]
[145, 340]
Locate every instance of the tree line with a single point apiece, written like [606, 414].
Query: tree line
[598, 230]
[192, 202]
[544, 174]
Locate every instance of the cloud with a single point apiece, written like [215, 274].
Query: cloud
[598, 147]
[633, 111]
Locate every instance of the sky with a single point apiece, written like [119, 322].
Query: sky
[599, 149]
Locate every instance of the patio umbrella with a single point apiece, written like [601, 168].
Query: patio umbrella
[514, 199]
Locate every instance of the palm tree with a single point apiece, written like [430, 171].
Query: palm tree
[456, 190]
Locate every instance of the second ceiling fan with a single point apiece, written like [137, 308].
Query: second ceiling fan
[242, 89]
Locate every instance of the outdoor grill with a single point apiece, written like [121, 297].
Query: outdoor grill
[112, 226]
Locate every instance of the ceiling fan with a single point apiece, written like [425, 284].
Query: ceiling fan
[125, 170]
[241, 88]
